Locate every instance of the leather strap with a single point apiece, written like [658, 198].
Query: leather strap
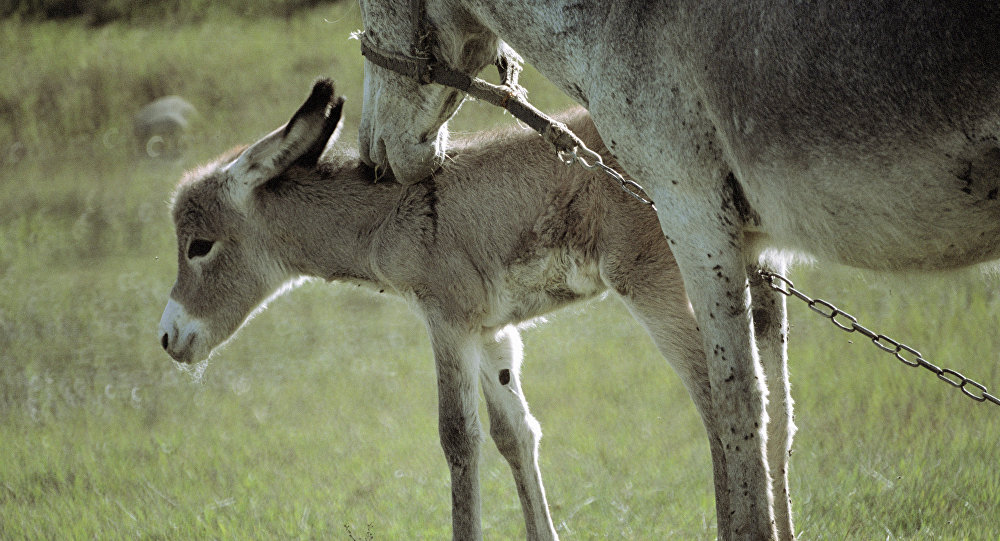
[508, 96]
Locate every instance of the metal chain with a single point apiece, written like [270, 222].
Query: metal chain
[629, 186]
[904, 353]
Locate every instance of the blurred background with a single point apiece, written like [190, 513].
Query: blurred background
[319, 419]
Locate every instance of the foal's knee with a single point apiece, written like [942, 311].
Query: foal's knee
[515, 438]
[461, 436]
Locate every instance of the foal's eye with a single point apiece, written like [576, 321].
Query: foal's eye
[199, 248]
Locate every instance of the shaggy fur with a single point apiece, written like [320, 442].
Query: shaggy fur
[502, 234]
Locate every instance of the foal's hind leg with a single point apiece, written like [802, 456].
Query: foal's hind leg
[771, 332]
[654, 294]
[514, 430]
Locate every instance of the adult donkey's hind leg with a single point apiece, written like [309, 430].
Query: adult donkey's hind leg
[771, 333]
[512, 427]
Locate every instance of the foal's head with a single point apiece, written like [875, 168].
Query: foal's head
[227, 262]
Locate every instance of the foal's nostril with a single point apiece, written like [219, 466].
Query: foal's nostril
[164, 341]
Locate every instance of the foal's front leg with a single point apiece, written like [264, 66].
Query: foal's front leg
[512, 427]
[457, 353]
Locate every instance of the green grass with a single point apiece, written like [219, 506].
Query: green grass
[100, 12]
[318, 420]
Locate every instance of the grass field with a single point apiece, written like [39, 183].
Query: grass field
[318, 421]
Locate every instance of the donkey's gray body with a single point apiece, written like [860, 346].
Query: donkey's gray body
[504, 234]
[862, 133]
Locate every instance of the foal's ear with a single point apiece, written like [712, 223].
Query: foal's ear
[332, 125]
[301, 141]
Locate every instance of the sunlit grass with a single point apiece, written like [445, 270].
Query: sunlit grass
[321, 414]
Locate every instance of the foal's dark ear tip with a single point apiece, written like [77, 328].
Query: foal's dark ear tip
[325, 84]
[338, 101]
[322, 92]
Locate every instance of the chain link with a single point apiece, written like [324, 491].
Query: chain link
[903, 353]
[629, 186]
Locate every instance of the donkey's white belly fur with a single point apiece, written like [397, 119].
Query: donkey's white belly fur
[926, 211]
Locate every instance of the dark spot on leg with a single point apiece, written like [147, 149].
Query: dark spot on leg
[504, 376]
[763, 321]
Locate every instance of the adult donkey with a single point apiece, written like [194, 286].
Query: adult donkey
[858, 132]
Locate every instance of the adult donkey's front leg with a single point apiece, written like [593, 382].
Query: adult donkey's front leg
[770, 323]
[457, 353]
[705, 226]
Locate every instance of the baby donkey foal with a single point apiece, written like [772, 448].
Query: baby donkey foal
[502, 234]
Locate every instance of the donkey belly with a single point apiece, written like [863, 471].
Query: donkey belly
[926, 209]
[543, 282]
